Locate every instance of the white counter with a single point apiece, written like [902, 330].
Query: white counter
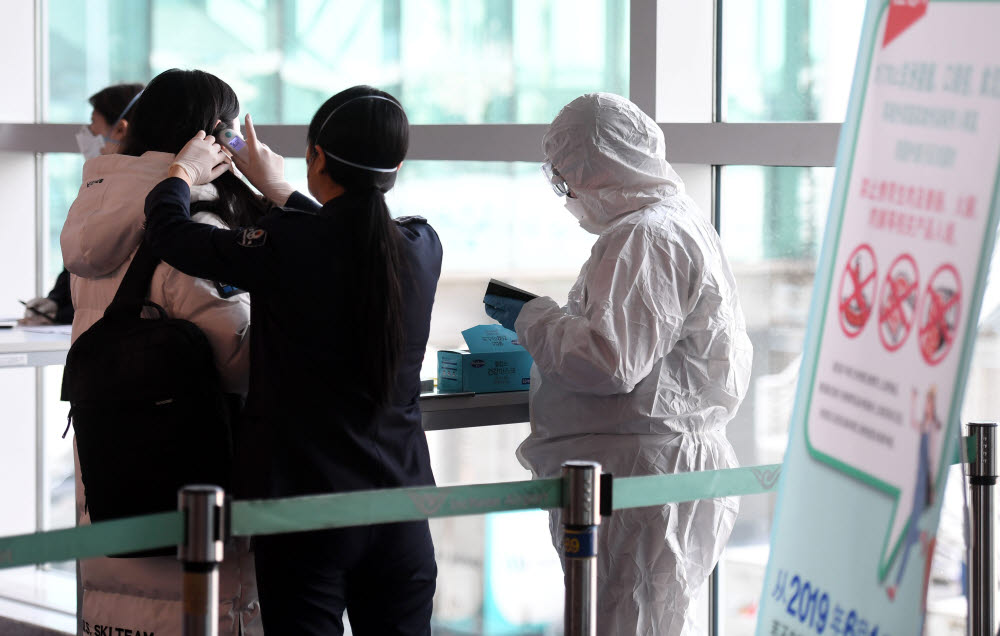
[33, 347]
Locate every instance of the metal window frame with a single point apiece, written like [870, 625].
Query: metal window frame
[715, 144]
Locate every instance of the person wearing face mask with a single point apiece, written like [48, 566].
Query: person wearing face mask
[111, 104]
[644, 366]
[108, 120]
[341, 296]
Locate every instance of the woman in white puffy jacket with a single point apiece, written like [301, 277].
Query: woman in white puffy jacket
[103, 230]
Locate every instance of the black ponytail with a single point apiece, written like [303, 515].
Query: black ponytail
[364, 134]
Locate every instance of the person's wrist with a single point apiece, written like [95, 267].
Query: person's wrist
[177, 170]
[279, 193]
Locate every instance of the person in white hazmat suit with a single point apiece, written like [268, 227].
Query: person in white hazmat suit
[643, 367]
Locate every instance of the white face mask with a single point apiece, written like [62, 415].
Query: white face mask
[90, 144]
[580, 213]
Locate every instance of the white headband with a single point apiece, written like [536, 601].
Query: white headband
[345, 161]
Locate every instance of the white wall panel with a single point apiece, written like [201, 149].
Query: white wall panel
[17, 50]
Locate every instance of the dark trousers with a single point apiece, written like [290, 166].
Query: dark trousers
[384, 576]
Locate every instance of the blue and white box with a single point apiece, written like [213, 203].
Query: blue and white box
[494, 362]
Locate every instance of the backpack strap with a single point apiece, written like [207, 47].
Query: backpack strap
[131, 295]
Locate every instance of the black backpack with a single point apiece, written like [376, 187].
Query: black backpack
[146, 403]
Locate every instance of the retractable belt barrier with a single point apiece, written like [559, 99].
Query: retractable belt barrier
[205, 519]
[316, 512]
[366, 507]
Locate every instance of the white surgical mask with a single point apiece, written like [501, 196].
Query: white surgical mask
[90, 144]
[580, 213]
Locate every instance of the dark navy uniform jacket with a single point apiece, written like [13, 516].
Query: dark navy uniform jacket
[307, 428]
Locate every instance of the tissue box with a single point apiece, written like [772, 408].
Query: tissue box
[494, 362]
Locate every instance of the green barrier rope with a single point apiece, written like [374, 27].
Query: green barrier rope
[271, 516]
[98, 539]
[634, 492]
[298, 514]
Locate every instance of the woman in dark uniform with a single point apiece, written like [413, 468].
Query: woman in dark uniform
[341, 298]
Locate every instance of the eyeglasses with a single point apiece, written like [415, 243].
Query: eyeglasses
[555, 179]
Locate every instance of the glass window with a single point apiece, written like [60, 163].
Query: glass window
[481, 61]
[497, 573]
[789, 60]
[772, 221]
[496, 220]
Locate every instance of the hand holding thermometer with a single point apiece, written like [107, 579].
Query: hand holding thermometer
[232, 142]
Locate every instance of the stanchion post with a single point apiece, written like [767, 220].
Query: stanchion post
[713, 600]
[201, 554]
[982, 478]
[580, 518]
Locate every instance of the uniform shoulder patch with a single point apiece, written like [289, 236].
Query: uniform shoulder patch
[410, 220]
[228, 291]
[252, 237]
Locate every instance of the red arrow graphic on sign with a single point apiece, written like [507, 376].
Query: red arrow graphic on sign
[902, 15]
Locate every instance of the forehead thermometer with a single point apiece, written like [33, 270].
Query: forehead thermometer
[233, 143]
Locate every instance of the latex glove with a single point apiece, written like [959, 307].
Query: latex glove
[265, 169]
[39, 311]
[503, 310]
[201, 159]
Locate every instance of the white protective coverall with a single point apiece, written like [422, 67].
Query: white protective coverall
[644, 366]
[101, 235]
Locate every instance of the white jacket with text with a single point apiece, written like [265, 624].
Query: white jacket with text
[103, 229]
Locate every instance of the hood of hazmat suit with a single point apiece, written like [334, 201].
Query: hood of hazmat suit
[644, 366]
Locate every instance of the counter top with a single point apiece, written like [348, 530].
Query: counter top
[34, 346]
[466, 410]
[41, 346]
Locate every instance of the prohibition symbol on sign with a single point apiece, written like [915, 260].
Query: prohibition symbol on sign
[857, 290]
[939, 314]
[897, 306]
